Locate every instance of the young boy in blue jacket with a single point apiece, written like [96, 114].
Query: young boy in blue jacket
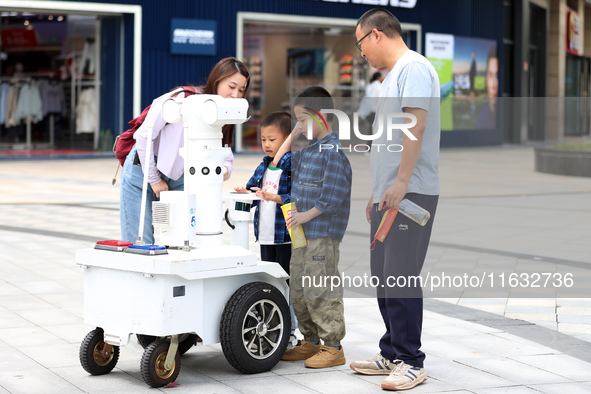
[273, 184]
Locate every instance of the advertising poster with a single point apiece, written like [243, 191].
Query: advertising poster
[440, 52]
[468, 71]
[572, 32]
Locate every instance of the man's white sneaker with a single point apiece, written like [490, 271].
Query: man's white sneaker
[374, 366]
[404, 377]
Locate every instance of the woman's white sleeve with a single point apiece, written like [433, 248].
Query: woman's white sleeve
[229, 163]
[153, 118]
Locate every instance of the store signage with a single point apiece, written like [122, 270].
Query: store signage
[193, 37]
[573, 41]
[439, 46]
[19, 38]
[382, 3]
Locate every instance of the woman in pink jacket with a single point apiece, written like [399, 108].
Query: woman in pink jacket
[230, 79]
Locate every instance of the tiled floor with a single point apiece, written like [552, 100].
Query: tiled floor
[497, 216]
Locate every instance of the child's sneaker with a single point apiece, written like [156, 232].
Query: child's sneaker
[328, 356]
[302, 351]
[374, 366]
[404, 377]
[293, 342]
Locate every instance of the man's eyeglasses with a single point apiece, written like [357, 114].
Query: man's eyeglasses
[361, 39]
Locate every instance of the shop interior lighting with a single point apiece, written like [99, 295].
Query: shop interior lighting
[60, 18]
[333, 31]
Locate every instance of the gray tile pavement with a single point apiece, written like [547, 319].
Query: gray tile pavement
[495, 213]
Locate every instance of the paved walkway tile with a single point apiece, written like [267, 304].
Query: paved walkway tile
[493, 215]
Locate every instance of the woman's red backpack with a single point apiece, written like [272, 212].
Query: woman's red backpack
[124, 142]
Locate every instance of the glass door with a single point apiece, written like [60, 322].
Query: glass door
[572, 94]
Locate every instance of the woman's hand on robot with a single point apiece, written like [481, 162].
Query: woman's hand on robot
[159, 187]
[241, 189]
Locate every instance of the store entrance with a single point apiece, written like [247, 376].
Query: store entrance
[51, 92]
[287, 53]
[284, 60]
[536, 83]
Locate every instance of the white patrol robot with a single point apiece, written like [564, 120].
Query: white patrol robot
[190, 286]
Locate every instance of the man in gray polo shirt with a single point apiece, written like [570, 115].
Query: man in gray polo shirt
[412, 87]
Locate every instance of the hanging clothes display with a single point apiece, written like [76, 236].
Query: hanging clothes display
[11, 103]
[3, 90]
[29, 103]
[86, 112]
[52, 97]
[86, 61]
[44, 102]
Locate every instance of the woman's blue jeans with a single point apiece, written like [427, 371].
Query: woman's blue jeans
[132, 178]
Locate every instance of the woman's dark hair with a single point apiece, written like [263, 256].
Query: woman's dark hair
[222, 70]
[280, 119]
[375, 76]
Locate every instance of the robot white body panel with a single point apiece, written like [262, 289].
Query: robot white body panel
[203, 117]
[167, 294]
[201, 288]
[239, 205]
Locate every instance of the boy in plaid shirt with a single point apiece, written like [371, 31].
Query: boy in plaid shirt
[322, 194]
